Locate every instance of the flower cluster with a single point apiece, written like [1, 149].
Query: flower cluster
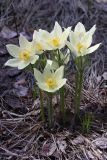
[45, 54]
[80, 40]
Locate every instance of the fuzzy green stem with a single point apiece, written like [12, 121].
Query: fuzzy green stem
[62, 95]
[30, 68]
[79, 90]
[59, 58]
[34, 93]
[79, 82]
[62, 105]
[42, 107]
[50, 109]
[34, 90]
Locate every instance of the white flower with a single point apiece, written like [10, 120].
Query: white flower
[23, 55]
[80, 40]
[57, 38]
[50, 81]
[40, 40]
[50, 41]
[52, 65]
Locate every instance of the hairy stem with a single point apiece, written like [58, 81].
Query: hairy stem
[42, 107]
[50, 109]
[62, 104]
[34, 90]
[79, 82]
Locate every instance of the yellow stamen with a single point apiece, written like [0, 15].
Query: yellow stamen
[39, 47]
[24, 55]
[51, 83]
[79, 47]
[55, 42]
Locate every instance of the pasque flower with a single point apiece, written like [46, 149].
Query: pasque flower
[22, 55]
[49, 80]
[56, 39]
[80, 40]
[40, 41]
[51, 65]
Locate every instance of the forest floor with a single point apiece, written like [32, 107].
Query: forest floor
[22, 134]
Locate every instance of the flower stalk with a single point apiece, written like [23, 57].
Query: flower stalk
[42, 107]
[30, 69]
[62, 95]
[62, 104]
[50, 109]
[34, 89]
[79, 83]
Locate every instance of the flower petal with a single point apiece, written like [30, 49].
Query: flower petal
[34, 59]
[61, 83]
[24, 43]
[35, 35]
[87, 39]
[57, 30]
[17, 63]
[47, 70]
[40, 35]
[71, 47]
[12, 62]
[51, 65]
[48, 64]
[93, 48]
[13, 50]
[65, 34]
[72, 38]
[44, 34]
[38, 75]
[79, 28]
[92, 30]
[59, 73]
[23, 64]
[44, 87]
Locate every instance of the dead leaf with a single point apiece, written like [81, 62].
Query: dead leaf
[78, 140]
[101, 142]
[20, 88]
[98, 79]
[55, 100]
[90, 155]
[21, 91]
[7, 33]
[62, 145]
[82, 6]
[99, 1]
[48, 149]
[15, 103]
[12, 72]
